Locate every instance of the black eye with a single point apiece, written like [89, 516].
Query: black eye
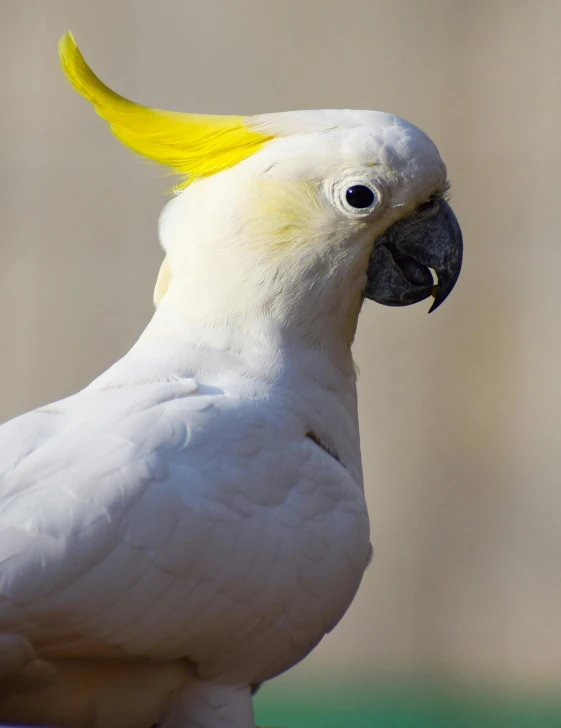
[360, 196]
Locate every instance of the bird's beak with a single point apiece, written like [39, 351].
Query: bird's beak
[398, 270]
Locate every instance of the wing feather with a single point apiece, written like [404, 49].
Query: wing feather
[156, 520]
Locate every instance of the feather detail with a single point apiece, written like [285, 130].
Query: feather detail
[193, 145]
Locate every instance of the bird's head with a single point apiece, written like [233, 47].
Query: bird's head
[294, 216]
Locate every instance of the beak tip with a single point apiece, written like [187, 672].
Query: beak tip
[444, 288]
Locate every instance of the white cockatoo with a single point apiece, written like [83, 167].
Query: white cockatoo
[193, 522]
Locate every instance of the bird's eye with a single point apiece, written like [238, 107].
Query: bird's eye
[355, 197]
[360, 196]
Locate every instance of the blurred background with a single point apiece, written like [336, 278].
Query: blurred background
[458, 621]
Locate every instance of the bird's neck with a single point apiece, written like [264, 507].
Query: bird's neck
[256, 352]
[255, 361]
[262, 340]
[308, 318]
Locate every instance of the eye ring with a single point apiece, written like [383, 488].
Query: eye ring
[353, 189]
[356, 196]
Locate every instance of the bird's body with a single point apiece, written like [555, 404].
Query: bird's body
[194, 522]
[219, 531]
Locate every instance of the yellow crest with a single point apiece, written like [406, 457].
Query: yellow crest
[193, 145]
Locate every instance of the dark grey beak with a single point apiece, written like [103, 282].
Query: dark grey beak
[398, 270]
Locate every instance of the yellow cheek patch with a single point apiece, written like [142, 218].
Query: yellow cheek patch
[289, 214]
[193, 145]
[285, 214]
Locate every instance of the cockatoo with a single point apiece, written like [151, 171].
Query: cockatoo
[193, 522]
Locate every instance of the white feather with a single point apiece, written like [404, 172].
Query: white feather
[194, 522]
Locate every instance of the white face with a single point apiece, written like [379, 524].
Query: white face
[297, 220]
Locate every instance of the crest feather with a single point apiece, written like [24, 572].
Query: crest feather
[193, 145]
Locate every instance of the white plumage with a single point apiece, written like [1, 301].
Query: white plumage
[170, 518]
[193, 522]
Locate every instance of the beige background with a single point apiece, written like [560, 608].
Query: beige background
[461, 411]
